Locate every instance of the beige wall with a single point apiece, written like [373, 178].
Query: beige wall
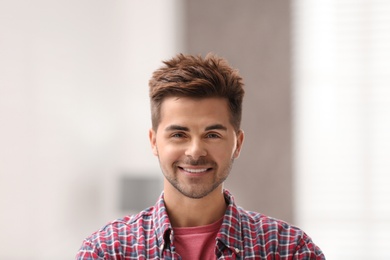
[254, 36]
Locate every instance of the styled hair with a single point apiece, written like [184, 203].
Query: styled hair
[196, 77]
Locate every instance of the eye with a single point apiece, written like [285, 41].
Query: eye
[213, 135]
[178, 135]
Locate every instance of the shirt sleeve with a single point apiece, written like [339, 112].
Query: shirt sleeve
[307, 250]
[88, 251]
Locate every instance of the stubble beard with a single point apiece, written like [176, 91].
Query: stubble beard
[197, 189]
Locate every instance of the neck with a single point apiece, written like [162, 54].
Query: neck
[188, 212]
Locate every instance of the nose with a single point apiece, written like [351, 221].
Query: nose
[196, 149]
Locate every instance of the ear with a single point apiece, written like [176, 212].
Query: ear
[152, 139]
[240, 141]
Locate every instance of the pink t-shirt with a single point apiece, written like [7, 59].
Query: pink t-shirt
[197, 242]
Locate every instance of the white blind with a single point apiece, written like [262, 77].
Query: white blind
[342, 125]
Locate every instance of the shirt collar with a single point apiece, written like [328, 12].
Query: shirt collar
[162, 224]
[229, 234]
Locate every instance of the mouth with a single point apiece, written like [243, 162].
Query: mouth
[194, 170]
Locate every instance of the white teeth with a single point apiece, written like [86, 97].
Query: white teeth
[195, 170]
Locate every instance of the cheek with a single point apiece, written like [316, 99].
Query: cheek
[222, 153]
[168, 152]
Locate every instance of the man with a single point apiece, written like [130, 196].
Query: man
[196, 106]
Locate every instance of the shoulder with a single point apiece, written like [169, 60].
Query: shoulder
[278, 236]
[130, 225]
[117, 236]
[266, 224]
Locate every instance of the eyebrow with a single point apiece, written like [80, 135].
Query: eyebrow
[216, 127]
[176, 128]
[186, 129]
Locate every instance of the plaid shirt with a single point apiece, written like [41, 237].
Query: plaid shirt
[243, 235]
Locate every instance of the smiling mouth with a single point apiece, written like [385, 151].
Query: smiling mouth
[195, 170]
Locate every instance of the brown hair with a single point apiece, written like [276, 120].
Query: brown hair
[196, 77]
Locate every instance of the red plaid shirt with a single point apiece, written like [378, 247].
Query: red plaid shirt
[243, 235]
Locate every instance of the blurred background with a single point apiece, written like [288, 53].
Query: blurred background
[74, 115]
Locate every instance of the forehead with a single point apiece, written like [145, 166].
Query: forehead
[184, 110]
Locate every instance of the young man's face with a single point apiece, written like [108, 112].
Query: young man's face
[196, 144]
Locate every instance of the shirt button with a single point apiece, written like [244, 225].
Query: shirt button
[237, 250]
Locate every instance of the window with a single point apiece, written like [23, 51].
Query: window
[341, 84]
